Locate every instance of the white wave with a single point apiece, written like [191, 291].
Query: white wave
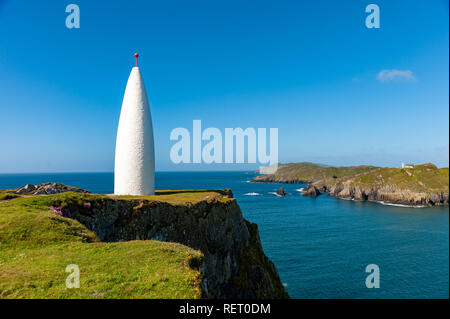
[382, 203]
[252, 194]
[274, 193]
[300, 189]
[400, 205]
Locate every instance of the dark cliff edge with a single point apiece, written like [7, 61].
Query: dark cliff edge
[234, 264]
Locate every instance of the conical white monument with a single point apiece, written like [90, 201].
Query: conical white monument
[134, 167]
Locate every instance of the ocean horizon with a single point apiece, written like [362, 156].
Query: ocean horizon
[320, 246]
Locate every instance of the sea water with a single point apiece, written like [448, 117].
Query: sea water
[320, 246]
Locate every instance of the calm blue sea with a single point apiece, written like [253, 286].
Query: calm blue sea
[320, 246]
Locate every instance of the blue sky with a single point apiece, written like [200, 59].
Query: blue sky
[308, 68]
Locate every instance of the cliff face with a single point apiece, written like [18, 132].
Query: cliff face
[386, 194]
[38, 243]
[422, 185]
[280, 180]
[234, 264]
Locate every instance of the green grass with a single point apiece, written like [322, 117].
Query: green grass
[6, 196]
[36, 245]
[422, 178]
[314, 172]
[182, 197]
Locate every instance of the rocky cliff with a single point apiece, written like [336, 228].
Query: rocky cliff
[422, 185]
[234, 264]
[386, 194]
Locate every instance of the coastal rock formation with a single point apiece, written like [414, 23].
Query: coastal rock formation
[272, 178]
[311, 191]
[421, 185]
[387, 194]
[234, 264]
[280, 192]
[46, 189]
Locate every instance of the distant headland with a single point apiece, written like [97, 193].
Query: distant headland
[419, 185]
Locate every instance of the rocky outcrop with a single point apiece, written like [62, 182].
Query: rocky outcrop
[311, 191]
[234, 264]
[280, 192]
[387, 194]
[423, 185]
[270, 178]
[46, 189]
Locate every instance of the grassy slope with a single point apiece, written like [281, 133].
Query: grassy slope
[5, 196]
[36, 245]
[181, 197]
[422, 178]
[313, 172]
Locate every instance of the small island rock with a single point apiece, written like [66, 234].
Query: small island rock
[311, 191]
[280, 192]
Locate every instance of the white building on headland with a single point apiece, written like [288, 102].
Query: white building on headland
[134, 167]
[408, 165]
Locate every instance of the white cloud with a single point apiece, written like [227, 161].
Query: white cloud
[395, 75]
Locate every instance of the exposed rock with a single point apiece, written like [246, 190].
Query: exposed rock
[271, 178]
[234, 264]
[424, 185]
[387, 194]
[47, 189]
[311, 191]
[28, 188]
[280, 192]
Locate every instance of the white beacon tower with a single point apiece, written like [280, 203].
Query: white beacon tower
[134, 167]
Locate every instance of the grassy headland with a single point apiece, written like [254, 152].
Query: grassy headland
[422, 178]
[174, 244]
[304, 173]
[36, 245]
[422, 185]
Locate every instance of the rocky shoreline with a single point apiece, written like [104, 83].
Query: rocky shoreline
[277, 180]
[386, 194]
